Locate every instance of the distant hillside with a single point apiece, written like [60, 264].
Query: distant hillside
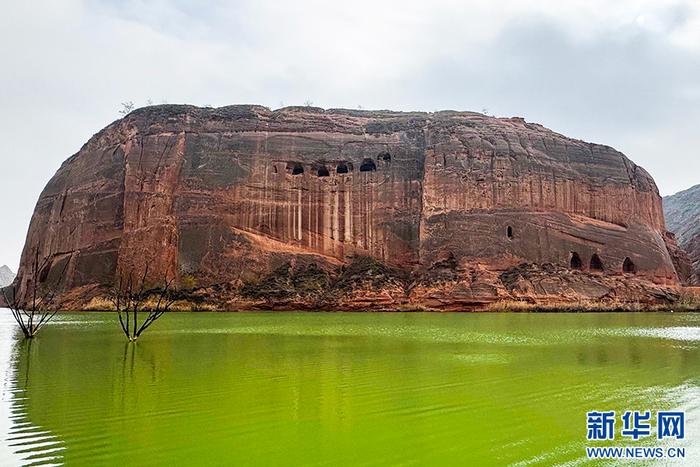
[682, 212]
[6, 276]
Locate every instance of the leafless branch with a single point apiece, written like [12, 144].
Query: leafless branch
[33, 308]
[129, 298]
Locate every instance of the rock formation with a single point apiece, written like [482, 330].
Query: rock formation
[682, 212]
[339, 209]
[6, 276]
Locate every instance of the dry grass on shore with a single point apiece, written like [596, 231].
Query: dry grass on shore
[689, 300]
[103, 304]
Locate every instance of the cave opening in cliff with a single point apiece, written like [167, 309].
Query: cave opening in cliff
[509, 232]
[596, 263]
[628, 266]
[368, 165]
[385, 156]
[298, 169]
[342, 168]
[323, 172]
[575, 262]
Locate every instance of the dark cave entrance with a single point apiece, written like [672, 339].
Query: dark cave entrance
[342, 168]
[323, 172]
[629, 267]
[596, 263]
[298, 169]
[509, 233]
[575, 262]
[368, 165]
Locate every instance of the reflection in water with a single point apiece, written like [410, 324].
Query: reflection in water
[23, 442]
[296, 388]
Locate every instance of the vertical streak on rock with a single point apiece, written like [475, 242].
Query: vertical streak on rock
[366, 218]
[341, 221]
[300, 216]
[367, 214]
[320, 208]
[324, 210]
[347, 198]
[335, 234]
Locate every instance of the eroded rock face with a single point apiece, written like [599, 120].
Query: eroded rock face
[224, 199]
[683, 213]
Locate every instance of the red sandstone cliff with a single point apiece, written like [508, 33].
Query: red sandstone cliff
[682, 211]
[302, 207]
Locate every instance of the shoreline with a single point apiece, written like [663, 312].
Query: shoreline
[533, 310]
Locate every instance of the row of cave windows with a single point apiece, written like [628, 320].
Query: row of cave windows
[368, 165]
[596, 264]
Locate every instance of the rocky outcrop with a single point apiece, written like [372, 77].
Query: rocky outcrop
[6, 276]
[682, 212]
[303, 207]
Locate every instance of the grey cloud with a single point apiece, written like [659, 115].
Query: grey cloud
[617, 89]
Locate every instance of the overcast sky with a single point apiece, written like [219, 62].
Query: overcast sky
[623, 73]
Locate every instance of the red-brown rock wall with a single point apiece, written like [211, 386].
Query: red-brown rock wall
[228, 195]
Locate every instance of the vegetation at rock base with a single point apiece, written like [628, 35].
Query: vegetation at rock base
[312, 283]
[286, 282]
[310, 286]
[442, 271]
[364, 271]
[689, 300]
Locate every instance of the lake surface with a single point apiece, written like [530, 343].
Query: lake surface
[339, 388]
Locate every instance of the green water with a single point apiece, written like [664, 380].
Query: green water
[339, 388]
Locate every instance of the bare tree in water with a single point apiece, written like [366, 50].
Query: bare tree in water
[134, 300]
[35, 307]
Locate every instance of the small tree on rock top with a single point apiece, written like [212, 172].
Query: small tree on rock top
[127, 108]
